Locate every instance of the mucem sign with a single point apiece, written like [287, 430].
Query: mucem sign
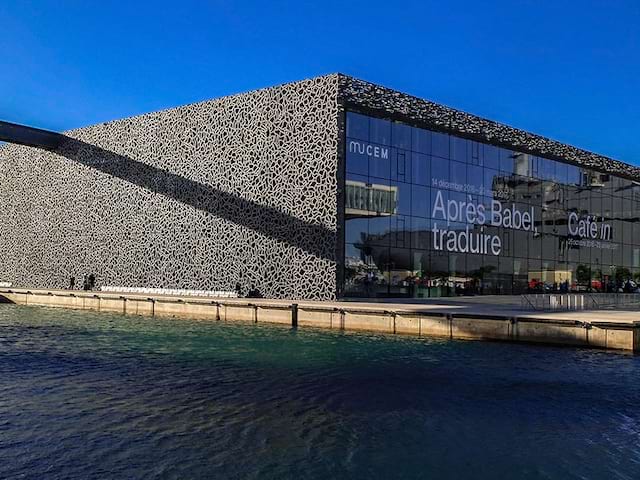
[374, 151]
[324, 188]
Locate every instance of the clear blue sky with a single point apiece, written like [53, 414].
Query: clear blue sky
[569, 70]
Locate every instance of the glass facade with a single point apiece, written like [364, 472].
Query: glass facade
[430, 214]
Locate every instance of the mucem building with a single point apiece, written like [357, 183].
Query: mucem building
[325, 188]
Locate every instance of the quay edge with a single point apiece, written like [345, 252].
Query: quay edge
[410, 319]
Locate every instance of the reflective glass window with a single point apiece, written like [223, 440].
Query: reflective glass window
[357, 126]
[400, 231]
[421, 141]
[380, 131]
[420, 200]
[379, 230]
[357, 162]
[562, 173]
[392, 185]
[521, 164]
[356, 230]
[506, 160]
[401, 165]
[401, 136]
[379, 164]
[421, 169]
[460, 149]
[491, 157]
[547, 169]
[440, 145]
[439, 170]
[491, 180]
[420, 233]
[573, 175]
[458, 173]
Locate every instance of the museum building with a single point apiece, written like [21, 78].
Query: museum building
[326, 188]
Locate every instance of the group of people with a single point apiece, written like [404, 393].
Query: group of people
[252, 293]
[88, 283]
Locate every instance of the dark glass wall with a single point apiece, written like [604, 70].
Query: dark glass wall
[431, 214]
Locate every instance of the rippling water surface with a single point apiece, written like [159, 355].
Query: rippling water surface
[87, 395]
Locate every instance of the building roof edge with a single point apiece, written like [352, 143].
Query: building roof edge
[384, 101]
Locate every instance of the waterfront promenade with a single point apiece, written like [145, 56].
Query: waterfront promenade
[477, 318]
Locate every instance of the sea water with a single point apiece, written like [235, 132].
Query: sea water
[96, 396]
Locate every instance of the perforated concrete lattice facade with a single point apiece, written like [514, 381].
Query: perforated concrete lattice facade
[243, 189]
[240, 189]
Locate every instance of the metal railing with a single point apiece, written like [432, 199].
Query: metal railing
[578, 301]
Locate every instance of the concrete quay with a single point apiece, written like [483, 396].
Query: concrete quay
[477, 318]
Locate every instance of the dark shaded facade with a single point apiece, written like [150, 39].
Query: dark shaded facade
[468, 217]
[319, 189]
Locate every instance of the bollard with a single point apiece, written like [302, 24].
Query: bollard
[294, 315]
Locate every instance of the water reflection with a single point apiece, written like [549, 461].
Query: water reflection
[85, 395]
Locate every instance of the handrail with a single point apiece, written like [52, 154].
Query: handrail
[577, 301]
[526, 298]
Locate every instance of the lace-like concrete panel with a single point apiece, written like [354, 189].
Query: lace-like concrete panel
[239, 189]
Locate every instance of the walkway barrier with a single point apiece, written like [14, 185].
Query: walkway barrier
[169, 291]
[578, 301]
